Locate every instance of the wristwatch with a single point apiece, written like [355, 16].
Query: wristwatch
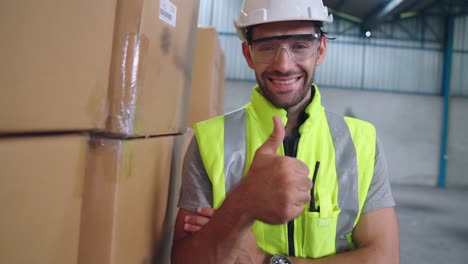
[280, 259]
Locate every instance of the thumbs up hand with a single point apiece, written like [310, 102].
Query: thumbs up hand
[274, 141]
[276, 187]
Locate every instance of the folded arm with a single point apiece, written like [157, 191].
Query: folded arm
[376, 238]
[218, 242]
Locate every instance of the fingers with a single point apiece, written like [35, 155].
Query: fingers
[196, 220]
[305, 185]
[303, 198]
[302, 167]
[275, 139]
[298, 172]
[194, 223]
[206, 211]
[191, 228]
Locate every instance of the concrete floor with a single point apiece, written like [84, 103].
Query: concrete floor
[433, 224]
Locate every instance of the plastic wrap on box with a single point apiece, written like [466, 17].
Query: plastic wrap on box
[126, 87]
[151, 67]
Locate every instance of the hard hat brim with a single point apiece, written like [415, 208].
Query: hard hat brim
[241, 28]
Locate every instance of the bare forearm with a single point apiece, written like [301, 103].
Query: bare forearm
[206, 247]
[219, 241]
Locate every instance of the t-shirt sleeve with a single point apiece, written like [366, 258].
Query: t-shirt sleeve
[380, 193]
[196, 190]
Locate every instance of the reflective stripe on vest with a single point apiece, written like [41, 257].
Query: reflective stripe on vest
[234, 164]
[234, 148]
[347, 182]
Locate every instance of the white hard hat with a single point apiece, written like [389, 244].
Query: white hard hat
[256, 12]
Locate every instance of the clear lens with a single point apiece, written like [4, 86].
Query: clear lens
[298, 47]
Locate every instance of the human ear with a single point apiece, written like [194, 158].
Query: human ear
[247, 54]
[321, 51]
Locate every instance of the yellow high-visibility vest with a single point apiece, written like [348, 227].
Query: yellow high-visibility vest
[345, 148]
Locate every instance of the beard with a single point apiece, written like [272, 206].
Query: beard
[274, 99]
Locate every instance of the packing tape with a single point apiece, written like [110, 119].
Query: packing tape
[126, 84]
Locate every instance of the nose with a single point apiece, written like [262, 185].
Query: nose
[283, 61]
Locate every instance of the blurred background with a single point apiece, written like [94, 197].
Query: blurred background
[98, 97]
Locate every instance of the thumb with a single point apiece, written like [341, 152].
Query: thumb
[275, 139]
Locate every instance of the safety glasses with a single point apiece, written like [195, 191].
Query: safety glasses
[298, 47]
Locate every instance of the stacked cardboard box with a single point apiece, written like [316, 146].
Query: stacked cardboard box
[125, 199]
[75, 199]
[114, 66]
[55, 64]
[93, 92]
[151, 67]
[206, 100]
[41, 181]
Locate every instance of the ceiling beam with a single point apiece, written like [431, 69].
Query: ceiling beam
[378, 17]
[345, 16]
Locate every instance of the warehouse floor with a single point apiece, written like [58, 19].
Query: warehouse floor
[433, 224]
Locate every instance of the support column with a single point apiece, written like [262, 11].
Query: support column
[448, 52]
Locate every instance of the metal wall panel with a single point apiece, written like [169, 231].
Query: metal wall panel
[341, 67]
[224, 14]
[205, 11]
[220, 14]
[382, 64]
[403, 70]
[461, 29]
[236, 67]
[459, 84]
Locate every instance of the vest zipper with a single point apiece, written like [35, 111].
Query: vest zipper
[291, 248]
[290, 149]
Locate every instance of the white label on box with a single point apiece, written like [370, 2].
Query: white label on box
[168, 12]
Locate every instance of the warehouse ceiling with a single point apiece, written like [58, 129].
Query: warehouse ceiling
[371, 13]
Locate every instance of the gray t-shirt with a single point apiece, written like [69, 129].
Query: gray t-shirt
[197, 190]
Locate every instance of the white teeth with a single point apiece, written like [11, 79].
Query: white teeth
[284, 82]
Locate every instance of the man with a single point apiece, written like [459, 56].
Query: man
[289, 182]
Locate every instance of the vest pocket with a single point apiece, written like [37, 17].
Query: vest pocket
[271, 238]
[320, 233]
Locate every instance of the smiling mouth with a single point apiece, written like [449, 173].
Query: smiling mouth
[284, 82]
